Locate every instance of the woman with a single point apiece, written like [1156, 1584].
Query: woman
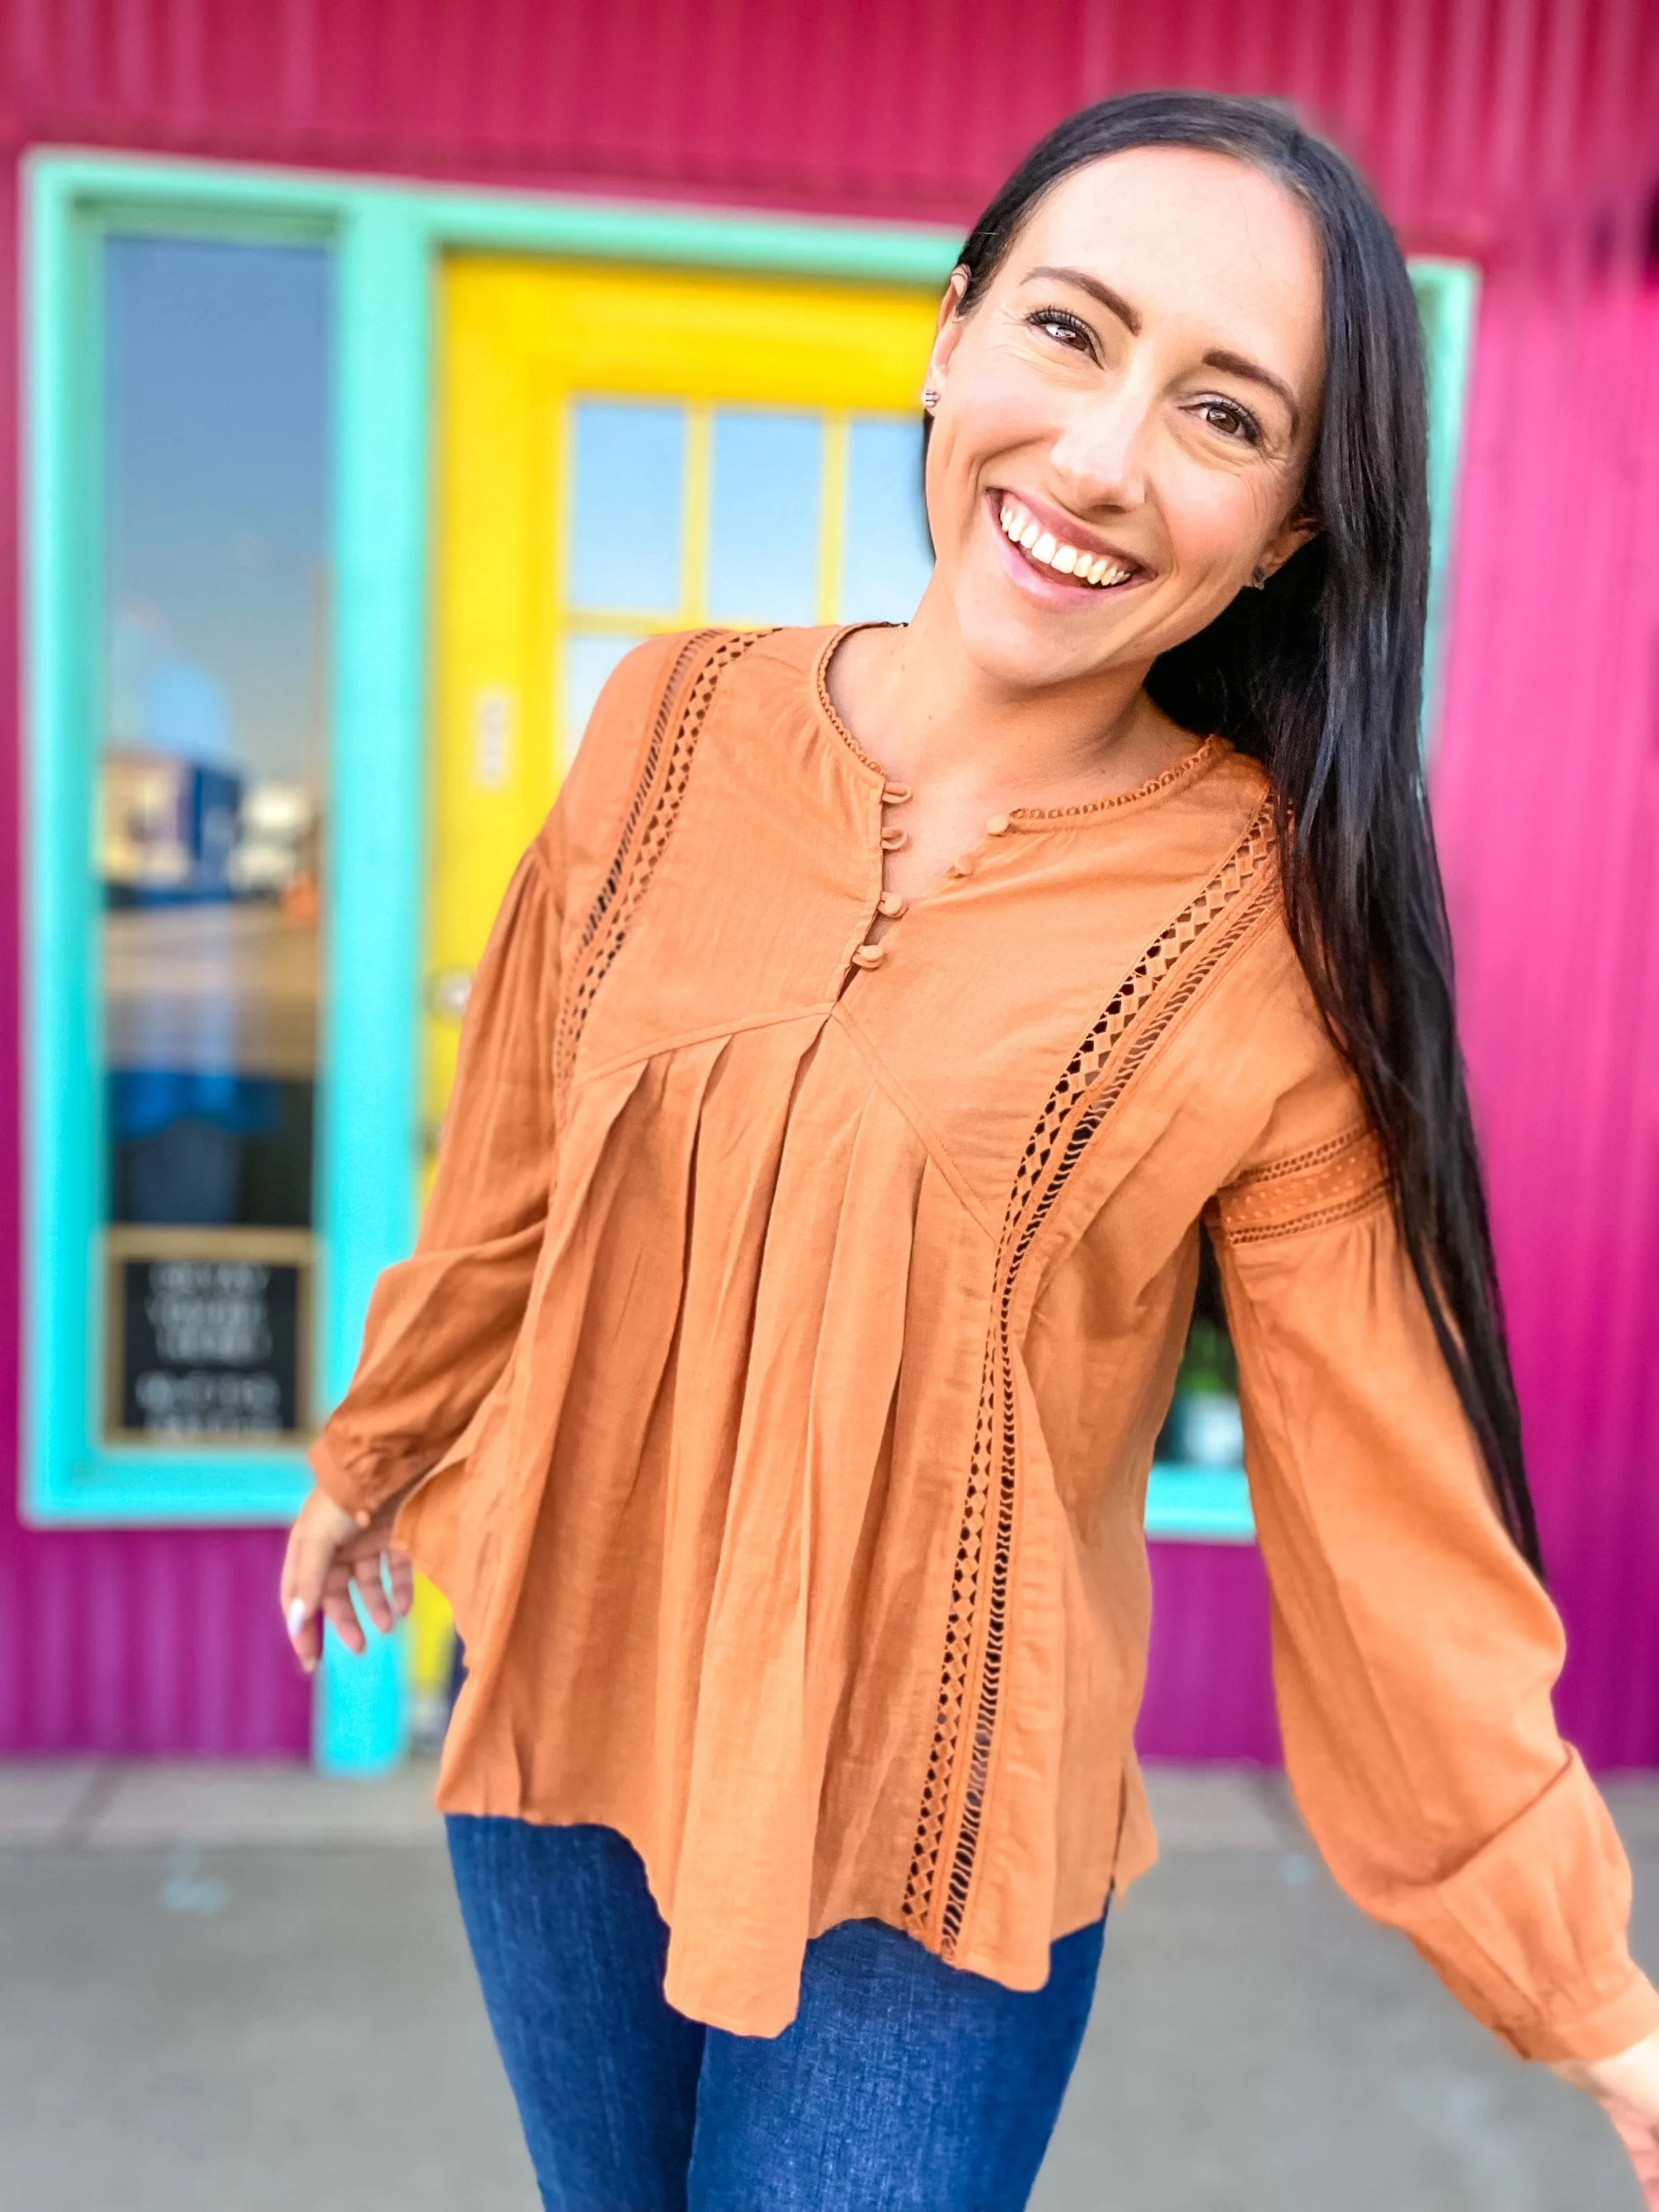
[863, 1047]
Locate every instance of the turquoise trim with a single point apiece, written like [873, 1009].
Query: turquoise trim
[1199, 1504]
[1447, 299]
[203, 194]
[371, 1135]
[366, 1209]
[373, 892]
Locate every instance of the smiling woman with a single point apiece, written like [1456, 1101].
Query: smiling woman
[867, 1045]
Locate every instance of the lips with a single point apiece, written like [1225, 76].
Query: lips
[1060, 555]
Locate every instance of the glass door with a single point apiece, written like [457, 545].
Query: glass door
[210, 811]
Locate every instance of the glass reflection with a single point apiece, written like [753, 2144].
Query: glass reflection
[210, 820]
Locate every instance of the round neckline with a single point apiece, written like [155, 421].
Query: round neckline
[1203, 755]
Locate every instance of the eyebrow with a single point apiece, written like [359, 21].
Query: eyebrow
[1236, 364]
[1114, 302]
[1232, 364]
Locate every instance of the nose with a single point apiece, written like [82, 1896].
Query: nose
[1100, 457]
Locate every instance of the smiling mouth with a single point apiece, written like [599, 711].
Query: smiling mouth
[1100, 571]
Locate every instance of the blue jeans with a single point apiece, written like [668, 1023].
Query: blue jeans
[902, 2085]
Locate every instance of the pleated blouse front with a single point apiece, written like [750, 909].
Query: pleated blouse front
[775, 1383]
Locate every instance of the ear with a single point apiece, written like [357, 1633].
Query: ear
[948, 330]
[1291, 536]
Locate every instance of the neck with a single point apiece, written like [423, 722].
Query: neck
[919, 703]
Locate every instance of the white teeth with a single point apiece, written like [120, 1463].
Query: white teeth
[1022, 529]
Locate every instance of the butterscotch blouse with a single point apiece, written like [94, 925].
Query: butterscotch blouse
[781, 1358]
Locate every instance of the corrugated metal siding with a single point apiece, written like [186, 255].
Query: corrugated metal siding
[1523, 131]
[1547, 795]
[1463, 112]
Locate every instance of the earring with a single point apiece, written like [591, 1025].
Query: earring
[1258, 576]
[929, 397]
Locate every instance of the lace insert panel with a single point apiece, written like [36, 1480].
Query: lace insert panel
[1139, 1014]
[681, 710]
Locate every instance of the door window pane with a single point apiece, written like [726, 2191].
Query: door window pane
[886, 559]
[627, 464]
[588, 662]
[763, 528]
[210, 820]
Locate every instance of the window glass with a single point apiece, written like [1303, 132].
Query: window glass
[588, 662]
[763, 526]
[1204, 1430]
[210, 824]
[627, 465]
[886, 558]
[683, 514]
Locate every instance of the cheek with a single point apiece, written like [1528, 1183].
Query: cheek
[989, 418]
[1216, 521]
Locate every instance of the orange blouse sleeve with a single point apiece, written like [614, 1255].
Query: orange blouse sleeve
[441, 1324]
[1414, 1652]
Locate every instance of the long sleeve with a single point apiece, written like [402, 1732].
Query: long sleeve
[442, 1324]
[1414, 1652]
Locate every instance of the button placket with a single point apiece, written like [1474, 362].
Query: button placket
[888, 904]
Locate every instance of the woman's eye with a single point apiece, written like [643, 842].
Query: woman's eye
[1233, 421]
[1055, 322]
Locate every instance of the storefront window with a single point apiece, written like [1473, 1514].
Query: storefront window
[210, 811]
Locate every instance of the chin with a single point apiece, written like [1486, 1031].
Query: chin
[1024, 647]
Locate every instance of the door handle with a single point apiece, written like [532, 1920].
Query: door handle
[447, 993]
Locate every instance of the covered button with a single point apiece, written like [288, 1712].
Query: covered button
[998, 824]
[890, 904]
[870, 956]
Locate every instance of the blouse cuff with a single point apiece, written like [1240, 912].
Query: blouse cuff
[1606, 2029]
[361, 1496]
[1530, 1932]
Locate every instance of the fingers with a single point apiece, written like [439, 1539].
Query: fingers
[305, 1572]
[338, 1609]
[329, 1557]
[400, 1572]
[371, 1593]
[1640, 2140]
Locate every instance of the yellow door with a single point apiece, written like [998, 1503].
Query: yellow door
[623, 450]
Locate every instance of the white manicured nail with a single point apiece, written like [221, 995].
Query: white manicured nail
[298, 1613]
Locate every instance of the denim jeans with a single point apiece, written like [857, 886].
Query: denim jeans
[902, 2085]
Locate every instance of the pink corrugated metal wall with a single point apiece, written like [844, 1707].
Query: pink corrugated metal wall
[1522, 131]
[1547, 796]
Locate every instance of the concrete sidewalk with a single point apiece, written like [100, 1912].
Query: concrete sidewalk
[245, 1990]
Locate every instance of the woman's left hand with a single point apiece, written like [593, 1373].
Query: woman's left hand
[1627, 2090]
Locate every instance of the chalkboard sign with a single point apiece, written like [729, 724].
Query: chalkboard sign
[207, 1335]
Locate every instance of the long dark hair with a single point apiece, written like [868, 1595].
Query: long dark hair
[1319, 676]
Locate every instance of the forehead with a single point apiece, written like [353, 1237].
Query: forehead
[1190, 238]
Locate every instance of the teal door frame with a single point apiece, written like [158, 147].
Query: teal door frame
[385, 238]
